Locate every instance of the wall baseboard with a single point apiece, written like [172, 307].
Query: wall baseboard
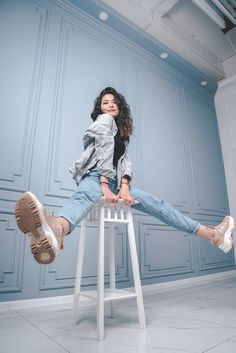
[188, 282]
[147, 290]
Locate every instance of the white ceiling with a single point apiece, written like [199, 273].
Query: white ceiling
[186, 28]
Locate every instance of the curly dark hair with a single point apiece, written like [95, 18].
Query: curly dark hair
[124, 120]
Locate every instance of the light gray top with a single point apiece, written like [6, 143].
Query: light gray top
[99, 145]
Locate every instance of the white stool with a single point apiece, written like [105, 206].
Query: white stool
[112, 213]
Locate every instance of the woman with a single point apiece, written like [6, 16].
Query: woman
[104, 169]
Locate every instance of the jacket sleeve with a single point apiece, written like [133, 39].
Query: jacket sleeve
[124, 167]
[102, 131]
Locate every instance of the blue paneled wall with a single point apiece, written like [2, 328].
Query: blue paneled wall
[54, 61]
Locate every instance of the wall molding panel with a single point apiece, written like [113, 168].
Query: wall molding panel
[57, 275]
[159, 244]
[205, 160]
[69, 64]
[160, 134]
[11, 255]
[22, 115]
[213, 258]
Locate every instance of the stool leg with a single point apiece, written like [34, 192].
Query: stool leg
[135, 267]
[100, 277]
[78, 277]
[112, 265]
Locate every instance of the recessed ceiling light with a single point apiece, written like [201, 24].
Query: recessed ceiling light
[164, 55]
[103, 16]
[203, 83]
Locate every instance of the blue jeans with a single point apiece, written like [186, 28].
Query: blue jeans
[89, 192]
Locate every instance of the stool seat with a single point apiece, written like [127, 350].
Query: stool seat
[112, 214]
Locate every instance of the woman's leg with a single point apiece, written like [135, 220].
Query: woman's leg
[163, 211]
[87, 194]
[47, 232]
[220, 235]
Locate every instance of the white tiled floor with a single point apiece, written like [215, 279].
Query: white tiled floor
[194, 319]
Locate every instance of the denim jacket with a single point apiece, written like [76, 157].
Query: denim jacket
[99, 144]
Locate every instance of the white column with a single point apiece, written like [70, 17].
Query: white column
[225, 102]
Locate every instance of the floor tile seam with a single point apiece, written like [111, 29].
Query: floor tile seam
[182, 328]
[168, 349]
[184, 316]
[217, 345]
[210, 322]
[145, 346]
[42, 332]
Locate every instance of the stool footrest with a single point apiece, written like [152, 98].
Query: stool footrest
[110, 294]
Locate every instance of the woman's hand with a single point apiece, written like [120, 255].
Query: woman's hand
[107, 193]
[124, 194]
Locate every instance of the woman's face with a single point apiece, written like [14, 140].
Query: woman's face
[109, 106]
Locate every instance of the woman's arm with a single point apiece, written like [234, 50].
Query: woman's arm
[124, 168]
[124, 193]
[107, 193]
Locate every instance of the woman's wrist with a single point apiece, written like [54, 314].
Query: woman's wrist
[124, 183]
[103, 179]
[104, 184]
[125, 180]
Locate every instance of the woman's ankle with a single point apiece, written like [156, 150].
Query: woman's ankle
[206, 232]
[65, 224]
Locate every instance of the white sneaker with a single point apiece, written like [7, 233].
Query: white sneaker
[45, 232]
[223, 236]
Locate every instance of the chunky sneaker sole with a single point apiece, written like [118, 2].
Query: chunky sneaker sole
[30, 218]
[227, 244]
